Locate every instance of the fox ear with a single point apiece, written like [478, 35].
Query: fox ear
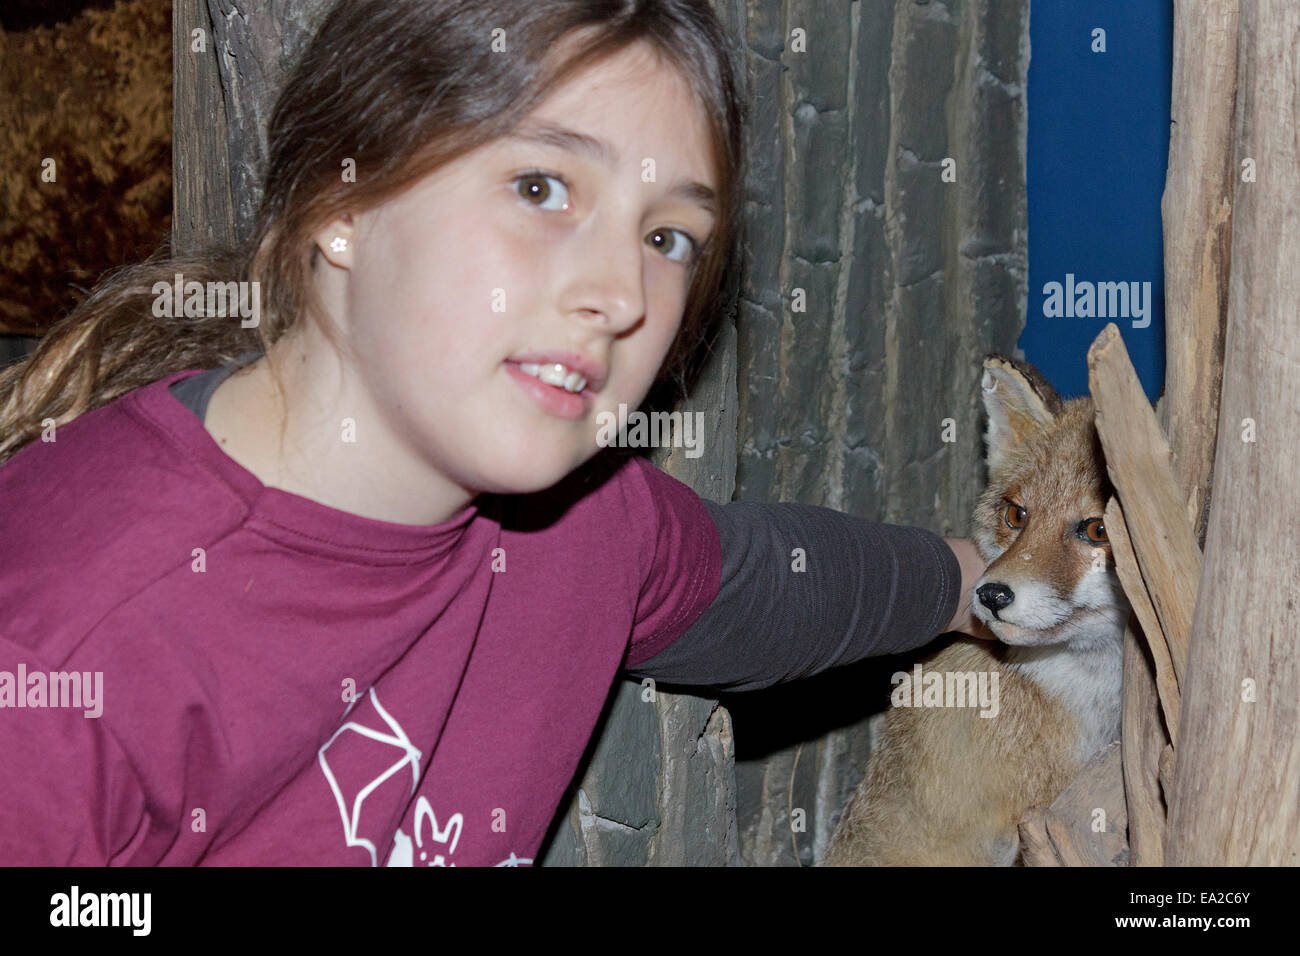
[1019, 401]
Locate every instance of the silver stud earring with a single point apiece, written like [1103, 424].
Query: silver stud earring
[339, 244]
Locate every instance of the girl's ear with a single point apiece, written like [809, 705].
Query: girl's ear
[335, 241]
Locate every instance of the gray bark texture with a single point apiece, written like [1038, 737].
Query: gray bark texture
[872, 289]
[907, 281]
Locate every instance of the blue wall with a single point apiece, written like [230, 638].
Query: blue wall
[1097, 150]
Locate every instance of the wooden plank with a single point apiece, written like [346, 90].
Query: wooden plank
[1236, 790]
[1035, 845]
[1143, 737]
[202, 209]
[1073, 819]
[1130, 577]
[1066, 834]
[1138, 462]
[1197, 213]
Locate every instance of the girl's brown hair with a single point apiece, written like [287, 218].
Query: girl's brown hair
[401, 87]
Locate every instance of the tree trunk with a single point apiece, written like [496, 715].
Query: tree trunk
[1236, 790]
[874, 285]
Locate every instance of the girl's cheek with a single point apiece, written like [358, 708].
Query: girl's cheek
[518, 247]
[521, 240]
[665, 311]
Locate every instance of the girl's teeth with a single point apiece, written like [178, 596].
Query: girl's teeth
[555, 374]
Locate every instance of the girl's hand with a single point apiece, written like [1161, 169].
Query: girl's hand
[972, 567]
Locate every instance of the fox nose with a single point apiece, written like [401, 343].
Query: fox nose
[995, 596]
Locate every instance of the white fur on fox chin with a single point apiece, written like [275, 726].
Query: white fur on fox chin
[1080, 675]
[1083, 669]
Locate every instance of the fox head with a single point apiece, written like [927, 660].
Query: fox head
[1040, 522]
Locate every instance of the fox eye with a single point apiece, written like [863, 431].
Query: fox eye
[1095, 531]
[1014, 515]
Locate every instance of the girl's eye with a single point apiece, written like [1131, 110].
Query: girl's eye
[541, 189]
[677, 249]
[1014, 516]
[550, 192]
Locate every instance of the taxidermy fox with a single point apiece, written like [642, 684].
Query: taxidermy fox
[947, 786]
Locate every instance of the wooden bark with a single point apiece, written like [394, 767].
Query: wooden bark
[1143, 737]
[201, 200]
[1130, 576]
[1197, 213]
[1150, 692]
[860, 257]
[1236, 791]
[1035, 845]
[1066, 833]
[224, 98]
[1153, 528]
[1139, 465]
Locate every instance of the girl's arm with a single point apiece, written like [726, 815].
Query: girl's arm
[972, 568]
[68, 794]
[804, 588]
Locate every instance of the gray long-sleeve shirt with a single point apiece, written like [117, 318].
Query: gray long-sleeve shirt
[866, 588]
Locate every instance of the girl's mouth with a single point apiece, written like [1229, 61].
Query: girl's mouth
[553, 399]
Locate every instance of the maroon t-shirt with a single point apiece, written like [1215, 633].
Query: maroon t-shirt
[282, 682]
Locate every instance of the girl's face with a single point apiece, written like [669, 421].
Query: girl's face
[573, 241]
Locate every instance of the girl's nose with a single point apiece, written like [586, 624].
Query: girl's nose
[609, 280]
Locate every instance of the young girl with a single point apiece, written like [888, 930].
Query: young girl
[357, 594]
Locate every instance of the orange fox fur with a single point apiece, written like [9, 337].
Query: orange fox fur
[946, 786]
